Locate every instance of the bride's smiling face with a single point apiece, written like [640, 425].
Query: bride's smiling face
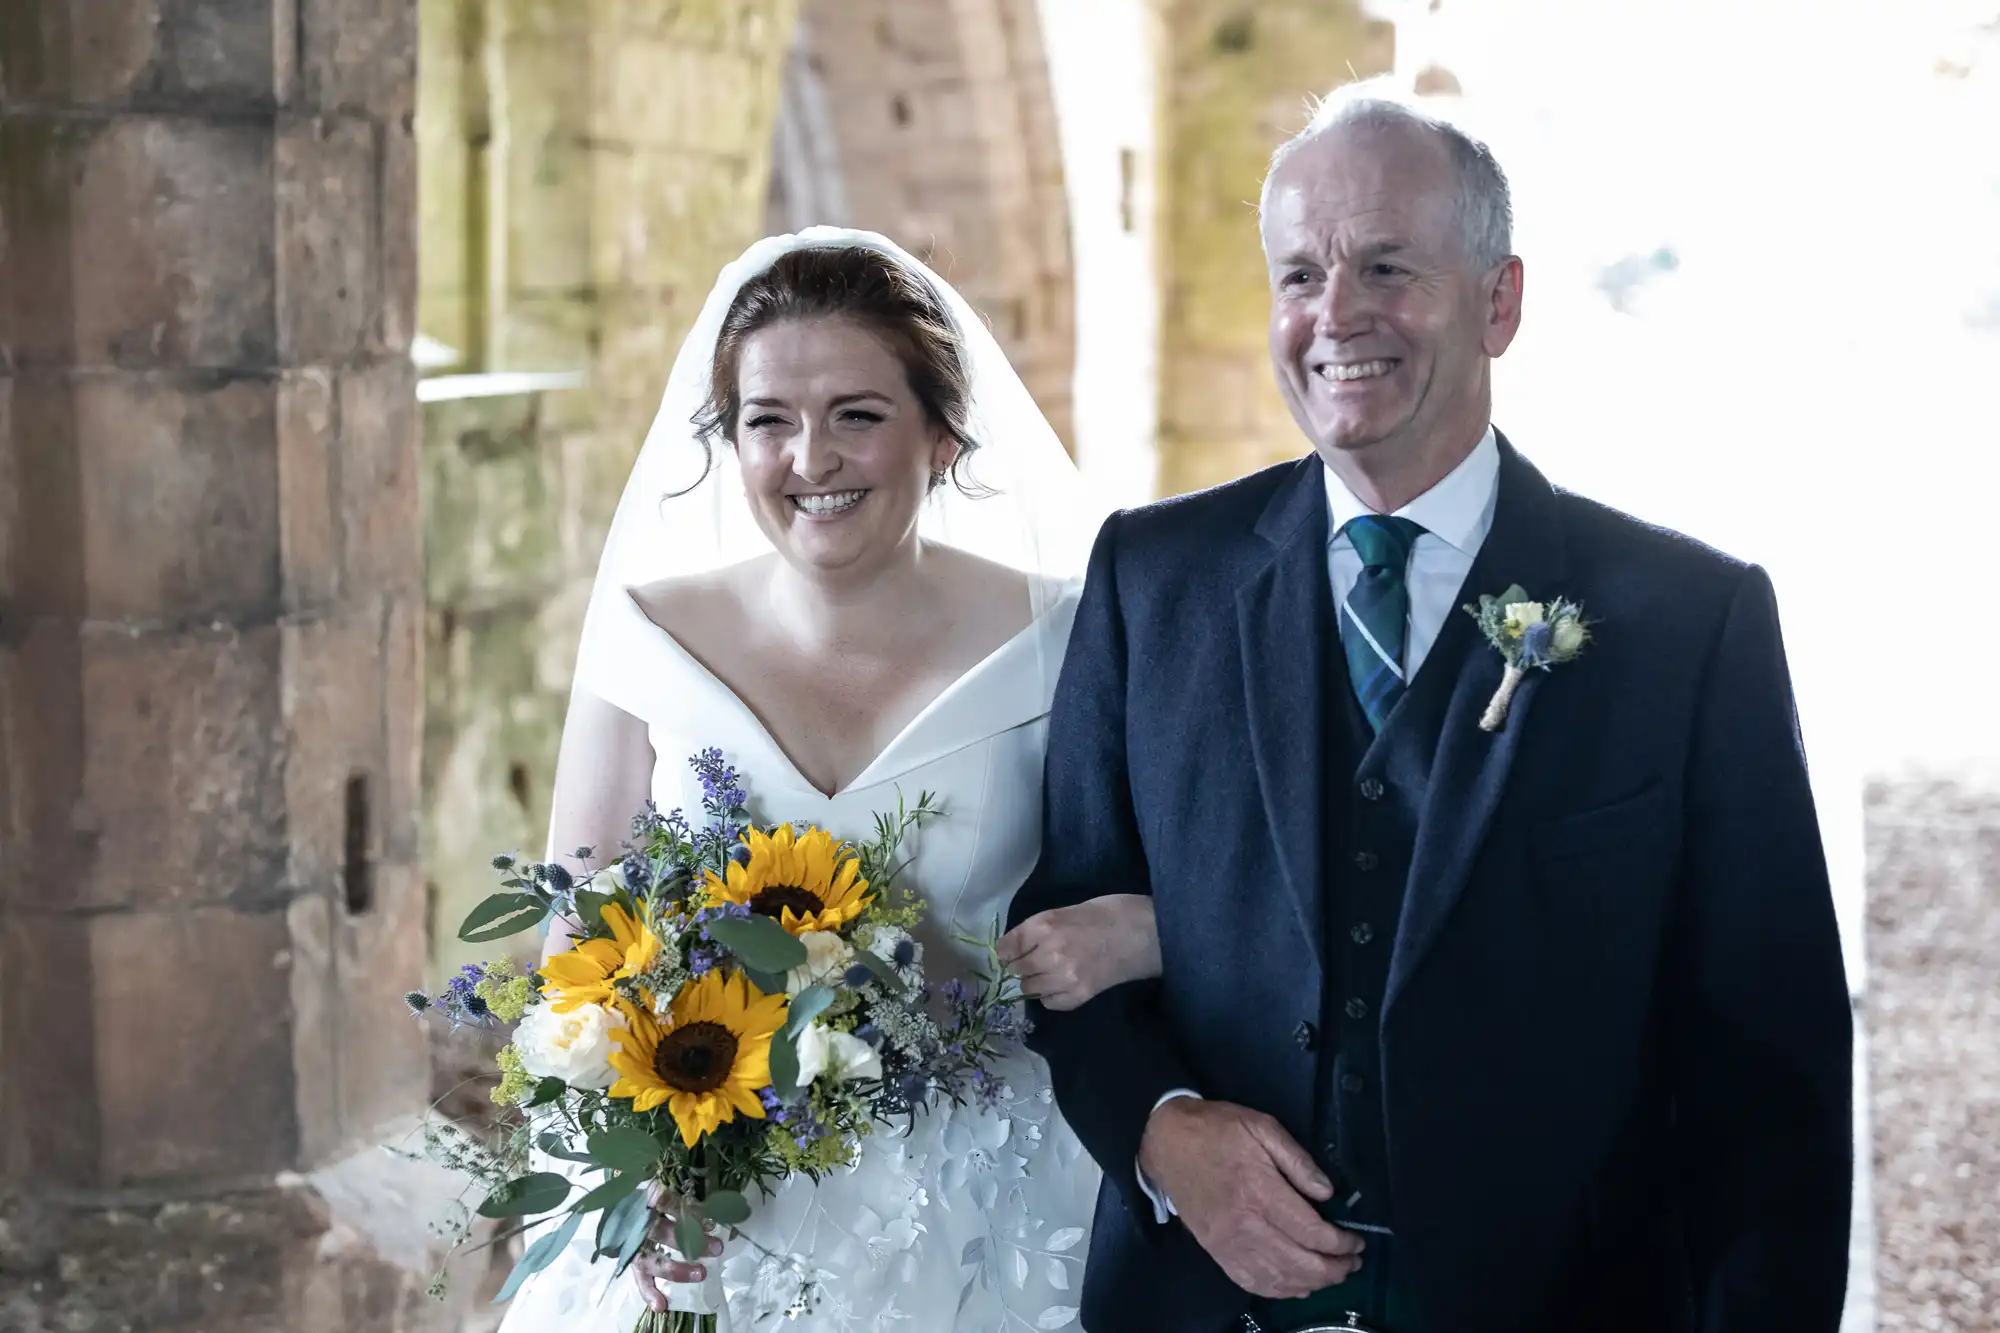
[836, 450]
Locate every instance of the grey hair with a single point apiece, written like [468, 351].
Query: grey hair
[1485, 203]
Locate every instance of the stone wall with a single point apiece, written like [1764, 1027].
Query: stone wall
[1235, 78]
[211, 654]
[588, 168]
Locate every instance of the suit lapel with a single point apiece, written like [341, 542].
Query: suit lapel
[1285, 622]
[1469, 770]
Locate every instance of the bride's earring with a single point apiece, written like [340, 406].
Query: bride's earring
[937, 477]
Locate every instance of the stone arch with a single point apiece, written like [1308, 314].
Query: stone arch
[933, 122]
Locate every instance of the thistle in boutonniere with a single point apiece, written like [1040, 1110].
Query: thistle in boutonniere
[1529, 636]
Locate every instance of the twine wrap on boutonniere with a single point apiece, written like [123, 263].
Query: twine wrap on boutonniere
[1529, 636]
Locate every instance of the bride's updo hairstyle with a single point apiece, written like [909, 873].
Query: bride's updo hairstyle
[857, 283]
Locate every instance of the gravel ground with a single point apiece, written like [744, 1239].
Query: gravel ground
[1933, 1015]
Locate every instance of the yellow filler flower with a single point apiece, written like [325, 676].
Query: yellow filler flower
[803, 883]
[707, 1060]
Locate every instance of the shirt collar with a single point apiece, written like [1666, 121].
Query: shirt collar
[1458, 511]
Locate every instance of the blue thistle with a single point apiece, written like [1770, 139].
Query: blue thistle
[1535, 642]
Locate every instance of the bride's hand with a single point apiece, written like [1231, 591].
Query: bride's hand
[657, 1265]
[1069, 955]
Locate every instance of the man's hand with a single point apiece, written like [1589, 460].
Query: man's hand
[1067, 956]
[1241, 1184]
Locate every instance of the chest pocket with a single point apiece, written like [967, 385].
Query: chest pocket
[1614, 860]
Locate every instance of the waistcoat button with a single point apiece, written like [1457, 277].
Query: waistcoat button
[1371, 789]
[1366, 860]
[1306, 1036]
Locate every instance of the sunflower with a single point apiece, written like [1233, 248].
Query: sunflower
[707, 1059]
[803, 883]
[588, 973]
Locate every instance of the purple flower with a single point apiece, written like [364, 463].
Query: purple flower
[1006, 1021]
[638, 873]
[1535, 641]
[956, 991]
[704, 958]
[722, 793]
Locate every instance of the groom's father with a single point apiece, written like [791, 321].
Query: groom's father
[1540, 1028]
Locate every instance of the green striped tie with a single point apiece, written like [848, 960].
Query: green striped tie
[1374, 620]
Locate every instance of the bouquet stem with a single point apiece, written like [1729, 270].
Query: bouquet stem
[675, 1321]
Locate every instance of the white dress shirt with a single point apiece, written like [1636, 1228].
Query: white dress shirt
[1456, 514]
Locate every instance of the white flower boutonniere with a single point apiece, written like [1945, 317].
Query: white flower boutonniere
[1529, 636]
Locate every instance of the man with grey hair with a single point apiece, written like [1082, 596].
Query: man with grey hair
[1500, 986]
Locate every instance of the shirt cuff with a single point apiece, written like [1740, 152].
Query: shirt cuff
[1163, 1207]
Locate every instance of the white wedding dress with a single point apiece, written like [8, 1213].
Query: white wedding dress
[977, 1220]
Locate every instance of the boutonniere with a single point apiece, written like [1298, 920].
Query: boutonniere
[1529, 636]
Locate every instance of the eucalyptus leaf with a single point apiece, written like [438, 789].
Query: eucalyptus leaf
[759, 941]
[590, 905]
[526, 1196]
[636, 1226]
[809, 1004]
[689, 1236]
[502, 915]
[771, 983]
[547, 1091]
[617, 1219]
[626, 1149]
[539, 1256]
[554, 1146]
[727, 1207]
[785, 1067]
[613, 1191]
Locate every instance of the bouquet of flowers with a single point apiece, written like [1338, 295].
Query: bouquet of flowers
[742, 1004]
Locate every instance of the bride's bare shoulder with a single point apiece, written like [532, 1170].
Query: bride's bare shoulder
[995, 583]
[1002, 591]
[696, 608]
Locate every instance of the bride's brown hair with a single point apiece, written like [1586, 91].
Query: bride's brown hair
[862, 284]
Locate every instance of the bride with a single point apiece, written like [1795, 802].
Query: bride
[848, 558]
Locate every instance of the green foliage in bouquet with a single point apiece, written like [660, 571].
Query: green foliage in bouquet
[739, 1005]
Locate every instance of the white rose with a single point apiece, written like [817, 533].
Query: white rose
[1567, 637]
[827, 956]
[1524, 614]
[840, 1054]
[575, 1047]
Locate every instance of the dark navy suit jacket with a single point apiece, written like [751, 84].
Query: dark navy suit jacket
[1616, 1037]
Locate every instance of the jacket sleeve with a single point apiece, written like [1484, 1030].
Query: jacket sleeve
[1112, 1059]
[1759, 1026]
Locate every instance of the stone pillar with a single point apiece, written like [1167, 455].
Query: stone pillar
[610, 158]
[1234, 84]
[210, 655]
